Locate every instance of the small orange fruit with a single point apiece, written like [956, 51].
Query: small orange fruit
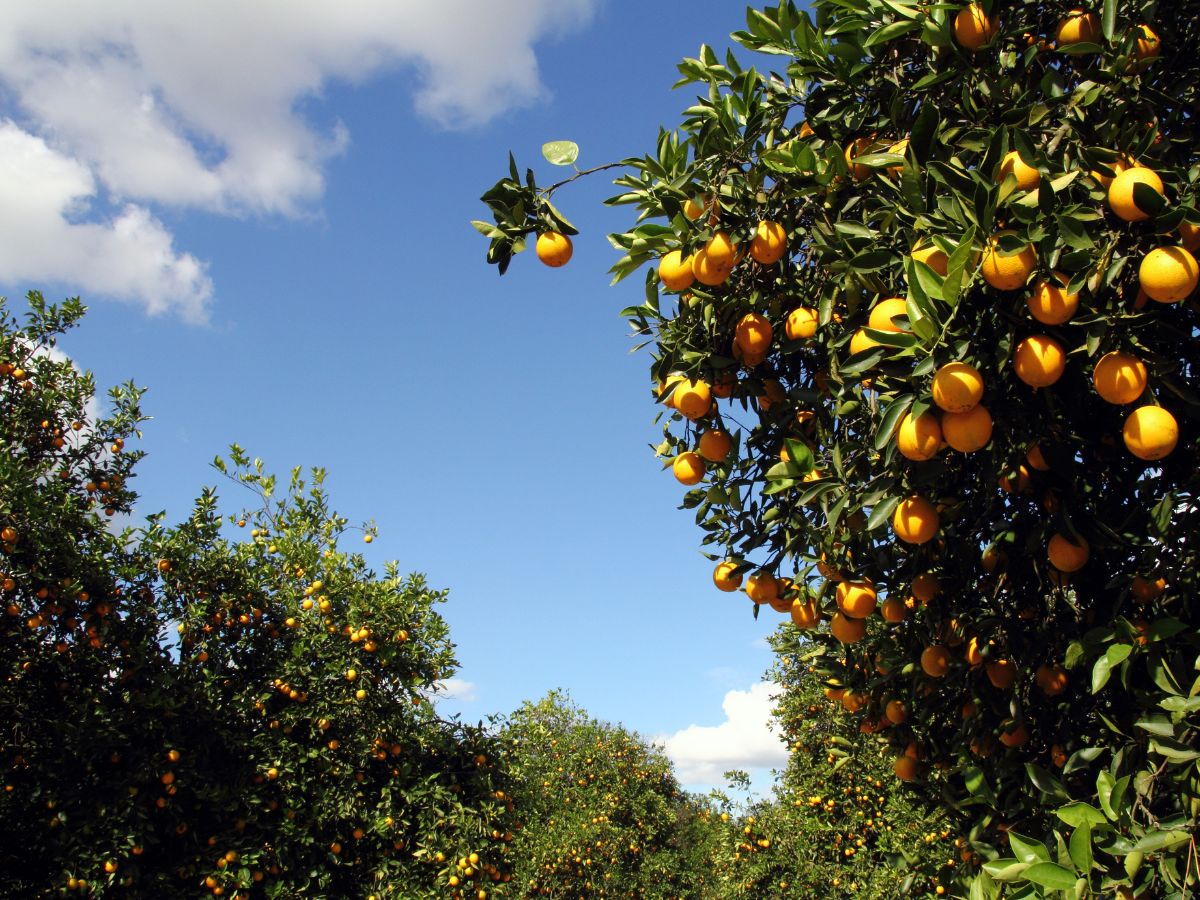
[973, 29]
[725, 577]
[906, 768]
[1148, 46]
[925, 587]
[1014, 737]
[885, 311]
[896, 712]
[933, 256]
[688, 468]
[1052, 679]
[1001, 673]
[1144, 590]
[675, 272]
[693, 398]
[1050, 303]
[1168, 274]
[805, 614]
[919, 438]
[1150, 432]
[915, 520]
[957, 387]
[857, 599]
[893, 610]
[715, 444]
[1067, 555]
[1008, 272]
[1039, 360]
[861, 341]
[935, 661]
[1078, 27]
[769, 243]
[762, 586]
[801, 323]
[753, 334]
[1120, 192]
[554, 249]
[1027, 176]
[847, 630]
[968, 431]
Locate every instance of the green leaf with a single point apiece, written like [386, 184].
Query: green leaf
[891, 32]
[891, 419]
[1045, 782]
[1108, 19]
[1051, 875]
[882, 512]
[1027, 849]
[560, 153]
[1147, 199]
[801, 455]
[1006, 869]
[1175, 751]
[1162, 840]
[977, 783]
[873, 261]
[956, 267]
[1079, 814]
[1080, 848]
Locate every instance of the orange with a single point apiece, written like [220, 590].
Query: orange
[957, 387]
[1027, 176]
[1023, 483]
[932, 256]
[675, 272]
[1078, 27]
[805, 614]
[1034, 457]
[708, 272]
[884, 311]
[935, 661]
[1144, 590]
[688, 468]
[801, 323]
[1168, 274]
[857, 599]
[1050, 303]
[1008, 272]
[1039, 360]
[919, 439]
[1150, 432]
[753, 334]
[906, 768]
[693, 398]
[762, 586]
[847, 630]
[861, 341]
[769, 243]
[853, 149]
[1001, 673]
[806, 129]
[1052, 679]
[1067, 555]
[969, 431]
[1120, 378]
[899, 148]
[1118, 165]
[972, 27]
[893, 610]
[724, 576]
[972, 654]
[1120, 192]
[694, 208]
[1189, 236]
[915, 520]
[896, 712]
[715, 444]
[925, 587]
[554, 249]
[721, 251]
[1148, 46]
[1014, 737]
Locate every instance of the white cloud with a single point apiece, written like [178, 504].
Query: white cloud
[745, 740]
[146, 104]
[456, 689]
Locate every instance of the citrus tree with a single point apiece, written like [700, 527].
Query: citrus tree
[235, 705]
[601, 812]
[920, 302]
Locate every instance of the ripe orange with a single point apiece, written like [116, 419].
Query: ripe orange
[972, 27]
[925, 587]
[801, 323]
[693, 398]
[1034, 457]
[753, 334]
[896, 712]
[1014, 737]
[1189, 236]
[688, 468]
[554, 249]
[857, 599]
[1120, 192]
[919, 439]
[1027, 176]
[1008, 272]
[762, 586]
[675, 272]
[769, 243]
[906, 768]
[900, 148]
[884, 311]
[721, 251]
[1050, 303]
[893, 610]
[968, 431]
[706, 271]
[715, 444]
[694, 208]
[1001, 673]
[1150, 432]
[1078, 27]
[805, 613]
[1118, 165]
[1039, 360]
[861, 341]
[957, 387]
[915, 520]
[973, 655]
[1120, 378]
[1067, 555]
[724, 576]
[1144, 590]
[854, 149]
[1023, 483]
[932, 256]
[935, 661]
[1052, 679]
[847, 630]
[1168, 274]
[1148, 46]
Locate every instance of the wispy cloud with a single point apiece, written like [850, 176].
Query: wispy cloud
[456, 689]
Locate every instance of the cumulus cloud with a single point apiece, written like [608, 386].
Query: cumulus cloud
[745, 740]
[157, 104]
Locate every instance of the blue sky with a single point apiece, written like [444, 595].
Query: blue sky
[267, 214]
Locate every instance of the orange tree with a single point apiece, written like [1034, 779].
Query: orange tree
[190, 712]
[921, 311]
[601, 812]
